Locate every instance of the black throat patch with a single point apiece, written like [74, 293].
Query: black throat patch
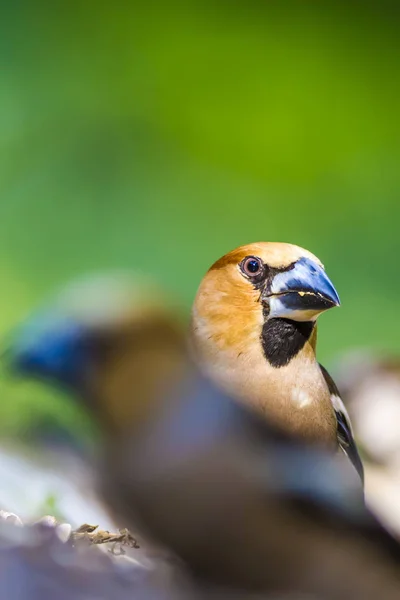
[282, 339]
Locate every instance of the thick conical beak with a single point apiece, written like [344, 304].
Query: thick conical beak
[301, 293]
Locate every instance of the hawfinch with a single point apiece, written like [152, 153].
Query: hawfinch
[254, 333]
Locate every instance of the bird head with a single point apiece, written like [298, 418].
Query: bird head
[256, 288]
[111, 340]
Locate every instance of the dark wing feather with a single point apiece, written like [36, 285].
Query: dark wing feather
[344, 429]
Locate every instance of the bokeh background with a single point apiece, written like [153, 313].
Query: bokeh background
[159, 135]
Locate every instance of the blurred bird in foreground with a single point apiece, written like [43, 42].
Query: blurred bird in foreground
[242, 503]
[254, 333]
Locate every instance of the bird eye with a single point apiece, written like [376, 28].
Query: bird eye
[252, 266]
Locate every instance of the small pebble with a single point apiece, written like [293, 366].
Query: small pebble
[47, 520]
[63, 532]
[11, 518]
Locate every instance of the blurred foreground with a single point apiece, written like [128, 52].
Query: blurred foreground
[222, 503]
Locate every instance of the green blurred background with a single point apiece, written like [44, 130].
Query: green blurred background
[160, 135]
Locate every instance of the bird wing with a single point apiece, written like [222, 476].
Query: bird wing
[344, 429]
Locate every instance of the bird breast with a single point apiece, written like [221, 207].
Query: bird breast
[294, 397]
